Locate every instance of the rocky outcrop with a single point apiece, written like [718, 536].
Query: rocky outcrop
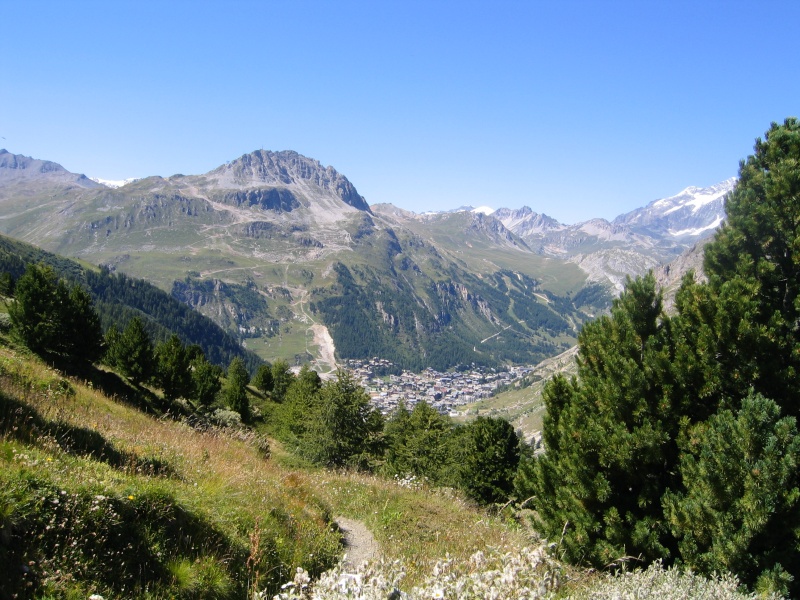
[264, 168]
[275, 199]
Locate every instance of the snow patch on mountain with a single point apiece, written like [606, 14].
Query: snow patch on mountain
[695, 198]
[486, 210]
[698, 231]
[694, 212]
[114, 183]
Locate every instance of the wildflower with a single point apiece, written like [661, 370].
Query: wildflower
[130, 497]
[302, 578]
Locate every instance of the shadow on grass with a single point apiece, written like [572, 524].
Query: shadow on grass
[114, 386]
[24, 423]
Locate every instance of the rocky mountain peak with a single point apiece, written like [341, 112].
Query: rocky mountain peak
[692, 213]
[27, 166]
[264, 168]
[18, 167]
[524, 221]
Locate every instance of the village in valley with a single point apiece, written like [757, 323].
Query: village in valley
[443, 391]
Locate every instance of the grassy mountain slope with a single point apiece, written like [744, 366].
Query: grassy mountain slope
[97, 497]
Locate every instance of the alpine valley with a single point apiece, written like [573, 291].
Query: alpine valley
[286, 255]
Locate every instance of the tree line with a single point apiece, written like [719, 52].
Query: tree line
[677, 440]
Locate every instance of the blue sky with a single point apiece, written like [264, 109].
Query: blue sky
[576, 109]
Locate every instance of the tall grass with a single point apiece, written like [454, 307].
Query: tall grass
[96, 496]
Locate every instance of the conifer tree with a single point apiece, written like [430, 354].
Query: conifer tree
[174, 369]
[757, 252]
[54, 320]
[205, 380]
[235, 389]
[670, 442]
[282, 378]
[418, 443]
[34, 314]
[397, 431]
[82, 335]
[262, 380]
[345, 429]
[301, 400]
[737, 340]
[740, 511]
[491, 456]
[131, 351]
[609, 435]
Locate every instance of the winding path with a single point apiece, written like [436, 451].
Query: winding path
[360, 545]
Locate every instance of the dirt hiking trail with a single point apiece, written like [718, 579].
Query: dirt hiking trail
[359, 543]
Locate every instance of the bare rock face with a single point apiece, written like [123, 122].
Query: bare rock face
[493, 229]
[286, 169]
[670, 276]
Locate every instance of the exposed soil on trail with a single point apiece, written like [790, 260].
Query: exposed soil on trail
[359, 543]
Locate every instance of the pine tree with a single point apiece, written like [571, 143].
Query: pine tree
[418, 443]
[665, 445]
[301, 400]
[282, 378]
[53, 320]
[235, 389]
[397, 458]
[131, 351]
[82, 334]
[174, 369]
[609, 434]
[345, 429]
[491, 456]
[262, 380]
[205, 380]
[741, 508]
[34, 314]
[757, 252]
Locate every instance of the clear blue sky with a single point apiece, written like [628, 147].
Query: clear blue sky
[576, 109]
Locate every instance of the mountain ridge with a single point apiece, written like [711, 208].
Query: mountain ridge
[14, 167]
[274, 246]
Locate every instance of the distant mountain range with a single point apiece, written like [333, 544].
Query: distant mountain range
[286, 254]
[606, 251]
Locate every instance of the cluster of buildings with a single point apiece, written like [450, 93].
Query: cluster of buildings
[443, 391]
